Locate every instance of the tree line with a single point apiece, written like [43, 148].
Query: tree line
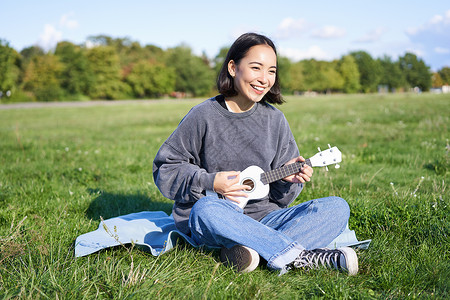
[119, 68]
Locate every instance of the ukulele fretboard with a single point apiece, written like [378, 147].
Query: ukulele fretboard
[280, 173]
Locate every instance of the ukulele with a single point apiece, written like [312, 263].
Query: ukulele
[259, 181]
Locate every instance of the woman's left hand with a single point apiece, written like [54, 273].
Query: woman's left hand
[301, 177]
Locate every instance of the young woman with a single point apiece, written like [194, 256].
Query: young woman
[226, 134]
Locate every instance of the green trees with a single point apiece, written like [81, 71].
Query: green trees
[445, 75]
[9, 71]
[219, 59]
[296, 79]
[76, 75]
[369, 71]
[284, 73]
[417, 74]
[107, 83]
[149, 79]
[333, 80]
[120, 68]
[41, 78]
[193, 75]
[436, 80]
[391, 74]
[314, 75]
[350, 74]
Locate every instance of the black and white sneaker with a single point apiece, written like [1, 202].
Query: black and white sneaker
[241, 258]
[344, 258]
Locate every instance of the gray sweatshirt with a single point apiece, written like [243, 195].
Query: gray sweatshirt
[211, 139]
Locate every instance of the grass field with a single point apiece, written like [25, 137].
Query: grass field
[61, 169]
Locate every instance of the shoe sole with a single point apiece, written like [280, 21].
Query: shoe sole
[241, 258]
[351, 260]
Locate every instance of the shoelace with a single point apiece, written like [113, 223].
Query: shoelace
[316, 258]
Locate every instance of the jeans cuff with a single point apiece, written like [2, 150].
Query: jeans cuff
[281, 259]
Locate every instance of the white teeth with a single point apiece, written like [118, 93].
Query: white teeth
[258, 88]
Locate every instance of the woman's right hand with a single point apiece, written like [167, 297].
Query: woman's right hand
[226, 184]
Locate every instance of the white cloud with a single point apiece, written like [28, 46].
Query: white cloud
[290, 27]
[441, 50]
[447, 16]
[433, 38]
[436, 23]
[328, 32]
[436, 19]
[67, 22]
[312, 52]
[50, 37]
[372, 36]
[53, 34]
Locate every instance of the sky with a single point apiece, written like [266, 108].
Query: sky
[324, 30]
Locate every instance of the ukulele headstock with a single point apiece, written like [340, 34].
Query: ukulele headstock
[326, 157]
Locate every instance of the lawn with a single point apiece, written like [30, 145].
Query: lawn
[63, 168]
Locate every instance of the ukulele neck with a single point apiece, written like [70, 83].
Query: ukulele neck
[280, 173]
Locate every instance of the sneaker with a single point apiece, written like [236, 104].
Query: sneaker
[242, 258]
[342, 259]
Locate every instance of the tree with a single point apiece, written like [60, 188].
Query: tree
[333, 79]
[29, 53]
[297, 82]
[9, 71]
[105, 66]
[416, 72]
[369, 71]
[312, 77]
[321, 76]
[392, 75]
[129, 51]
[348, 69]
[151, 79]
[283, 73]
[220, 59]
[192, 74]
[445, 75]
[26, 55]
[42, 78]
[76, 75]
[436, 80]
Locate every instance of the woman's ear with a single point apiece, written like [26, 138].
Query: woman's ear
[232, 68]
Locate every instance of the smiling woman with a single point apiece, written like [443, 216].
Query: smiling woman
[199, 166]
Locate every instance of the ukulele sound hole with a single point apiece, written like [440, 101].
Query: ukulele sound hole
[250, 183]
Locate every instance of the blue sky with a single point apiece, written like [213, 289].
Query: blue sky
[301, 29]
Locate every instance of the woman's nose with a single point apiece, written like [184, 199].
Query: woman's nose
[263, 78]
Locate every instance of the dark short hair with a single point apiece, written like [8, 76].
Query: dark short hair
[240, 47]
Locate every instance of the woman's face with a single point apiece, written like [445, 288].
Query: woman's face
[255, 74]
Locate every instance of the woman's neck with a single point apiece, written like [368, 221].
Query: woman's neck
[237, 106]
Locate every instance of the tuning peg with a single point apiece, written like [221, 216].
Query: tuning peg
[337, 166]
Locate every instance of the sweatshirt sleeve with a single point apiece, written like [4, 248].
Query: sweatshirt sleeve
[282, 192]
[177, 170]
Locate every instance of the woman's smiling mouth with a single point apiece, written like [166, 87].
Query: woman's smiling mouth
[258, 89]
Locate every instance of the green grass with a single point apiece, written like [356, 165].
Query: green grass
[61, 169]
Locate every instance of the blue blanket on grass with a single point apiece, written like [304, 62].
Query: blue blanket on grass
[155, 231]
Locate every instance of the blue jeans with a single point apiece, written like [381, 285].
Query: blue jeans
[279, 237]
